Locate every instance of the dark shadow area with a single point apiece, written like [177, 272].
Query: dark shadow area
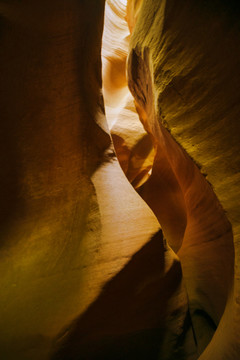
[128, 319]
[203, 327]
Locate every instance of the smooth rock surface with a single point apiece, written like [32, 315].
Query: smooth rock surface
[85, 270]
[59, 242]
[185, 82]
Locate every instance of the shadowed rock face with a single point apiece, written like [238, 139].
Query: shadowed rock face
[85, 271]
[126, 321]
[50, 102]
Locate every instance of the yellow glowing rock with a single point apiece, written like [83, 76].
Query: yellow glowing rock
[186, 79]
[84, 268]
[132, 144]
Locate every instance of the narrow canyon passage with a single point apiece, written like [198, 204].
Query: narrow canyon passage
[193, 221]
[119, 180]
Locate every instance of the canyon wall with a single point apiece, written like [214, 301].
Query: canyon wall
[183, 72]
[86, 271]
[65, 227]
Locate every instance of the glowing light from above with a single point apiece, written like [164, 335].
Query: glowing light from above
[124, 2]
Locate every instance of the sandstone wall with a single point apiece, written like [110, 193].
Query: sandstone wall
[85, 270]
[183, 72]
[64, 233]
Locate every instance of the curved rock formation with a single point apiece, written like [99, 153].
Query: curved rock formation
[63, 233]
[86, 273]
[184, 90]
[132, 144]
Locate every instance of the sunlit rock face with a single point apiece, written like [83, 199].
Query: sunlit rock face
[70, 221]
[132, 144]
[86, 273]
[184, 76]
[185, 81]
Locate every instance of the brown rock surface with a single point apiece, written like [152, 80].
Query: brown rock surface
[57, 246]
[184, 82]
[85, 271]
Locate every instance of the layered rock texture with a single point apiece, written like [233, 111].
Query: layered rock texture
[185, 157]
[120, 232]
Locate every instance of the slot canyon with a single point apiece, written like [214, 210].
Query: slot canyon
[120, 181]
